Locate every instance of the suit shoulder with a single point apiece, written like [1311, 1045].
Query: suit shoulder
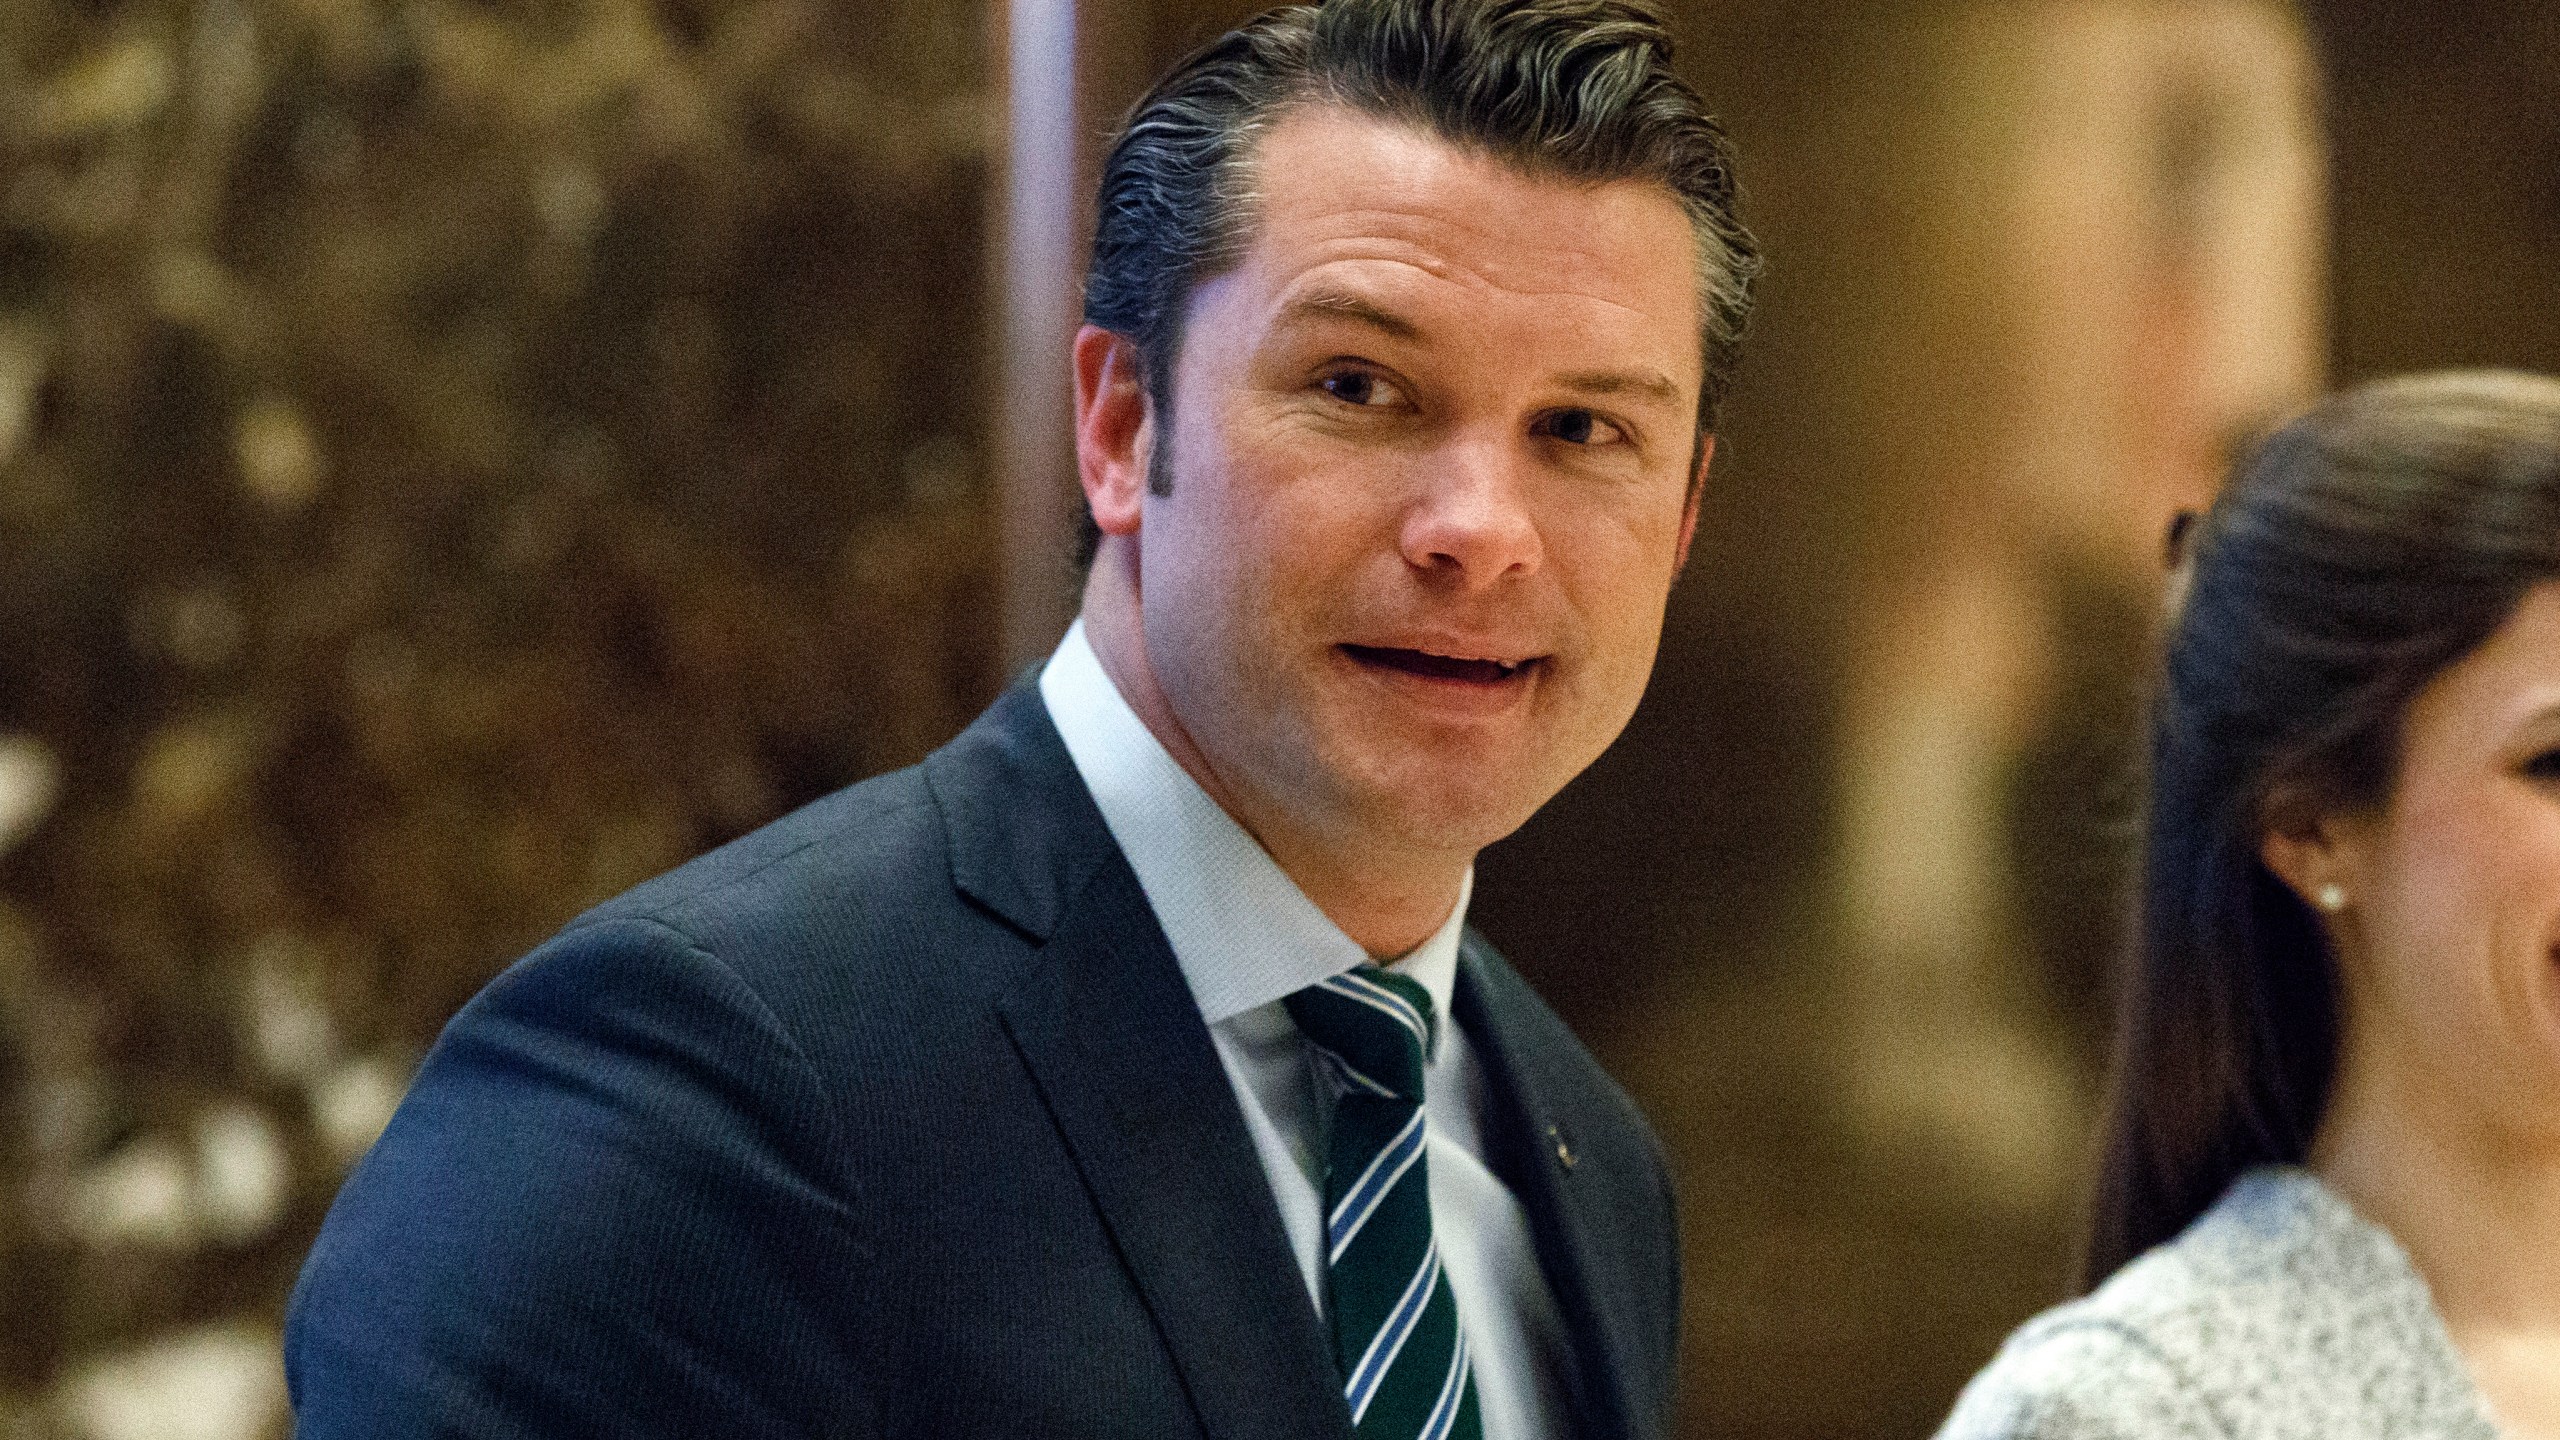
[850, 882]
[885, 826]
[896, 911]
[842, 919]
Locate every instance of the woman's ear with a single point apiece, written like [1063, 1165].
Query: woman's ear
[2313, 851]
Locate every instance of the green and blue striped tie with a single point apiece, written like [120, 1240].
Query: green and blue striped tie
[1395, 1322]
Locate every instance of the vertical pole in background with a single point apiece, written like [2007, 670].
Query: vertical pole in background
[1039, 219]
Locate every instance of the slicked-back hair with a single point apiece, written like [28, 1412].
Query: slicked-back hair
[2366, 548]
[1578, 89]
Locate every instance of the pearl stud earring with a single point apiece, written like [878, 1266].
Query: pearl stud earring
[2332, 898]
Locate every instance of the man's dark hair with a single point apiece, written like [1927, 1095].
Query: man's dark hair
[1580, 89]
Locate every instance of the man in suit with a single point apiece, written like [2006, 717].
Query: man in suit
[1126, 1069]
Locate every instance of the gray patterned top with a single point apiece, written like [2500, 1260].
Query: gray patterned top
[2278, 1315]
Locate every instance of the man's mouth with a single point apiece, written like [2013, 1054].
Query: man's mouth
[1473, 670]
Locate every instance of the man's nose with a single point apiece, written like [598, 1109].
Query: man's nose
[1470, 520]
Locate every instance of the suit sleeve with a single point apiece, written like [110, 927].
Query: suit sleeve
[609, 1206]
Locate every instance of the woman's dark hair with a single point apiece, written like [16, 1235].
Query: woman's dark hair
[2364, 548]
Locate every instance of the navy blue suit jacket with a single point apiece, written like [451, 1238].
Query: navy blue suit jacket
[896, 1118]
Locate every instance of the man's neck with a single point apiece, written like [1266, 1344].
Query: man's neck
[1386, 899]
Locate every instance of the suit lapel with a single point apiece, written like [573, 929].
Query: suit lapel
[1113, 1039]
[1583, 1259]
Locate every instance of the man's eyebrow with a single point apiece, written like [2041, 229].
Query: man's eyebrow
[1343, 305]
[1653, 385]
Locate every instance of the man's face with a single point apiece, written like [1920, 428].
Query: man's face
[1430, 484]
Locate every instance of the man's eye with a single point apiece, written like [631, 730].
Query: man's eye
[2545, 766]
[1359, 387]
[1579, 427]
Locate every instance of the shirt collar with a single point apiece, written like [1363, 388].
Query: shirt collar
[1243, 932]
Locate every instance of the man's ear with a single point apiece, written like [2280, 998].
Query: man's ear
[1115, 428]
[1689, 507]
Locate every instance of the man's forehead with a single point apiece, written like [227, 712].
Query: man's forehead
[1355, 208]
[1335, 184]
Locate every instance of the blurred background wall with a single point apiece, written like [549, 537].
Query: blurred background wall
[459, 458]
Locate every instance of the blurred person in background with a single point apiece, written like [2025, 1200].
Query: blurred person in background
[1127, 1068]
[2330, 1190]
[2131, 288]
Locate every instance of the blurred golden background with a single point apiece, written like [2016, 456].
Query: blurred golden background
[460, 457]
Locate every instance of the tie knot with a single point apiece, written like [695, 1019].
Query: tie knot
[1373, 1025]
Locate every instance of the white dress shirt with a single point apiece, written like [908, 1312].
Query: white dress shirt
[1246, 936]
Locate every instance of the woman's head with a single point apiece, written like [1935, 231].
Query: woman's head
[2348, 801]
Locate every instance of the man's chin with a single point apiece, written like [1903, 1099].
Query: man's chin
[1427, 808]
